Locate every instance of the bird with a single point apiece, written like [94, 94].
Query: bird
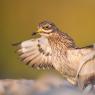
[57, 50]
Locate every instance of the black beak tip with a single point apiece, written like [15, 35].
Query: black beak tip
[34, 33]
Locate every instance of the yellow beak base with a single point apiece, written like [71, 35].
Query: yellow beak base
[40, 30]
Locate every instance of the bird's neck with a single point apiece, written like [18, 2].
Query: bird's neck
[61, 40]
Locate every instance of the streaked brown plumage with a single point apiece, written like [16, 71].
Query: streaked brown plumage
[56, 49]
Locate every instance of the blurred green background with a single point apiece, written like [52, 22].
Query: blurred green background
[20, 17]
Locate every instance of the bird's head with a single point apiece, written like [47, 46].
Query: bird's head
[46, 28]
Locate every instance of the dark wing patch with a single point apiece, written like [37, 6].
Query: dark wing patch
[89, 46]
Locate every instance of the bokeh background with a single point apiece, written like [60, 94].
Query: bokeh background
[20, 17]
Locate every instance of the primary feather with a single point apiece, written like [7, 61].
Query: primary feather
[36, 53]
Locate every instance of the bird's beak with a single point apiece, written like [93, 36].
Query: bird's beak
[34, 33]
[40, 30]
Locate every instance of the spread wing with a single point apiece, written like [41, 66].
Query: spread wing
[81, 55]
[83, 61]
[36, 53]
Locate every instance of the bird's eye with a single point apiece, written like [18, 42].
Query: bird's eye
[46, 27]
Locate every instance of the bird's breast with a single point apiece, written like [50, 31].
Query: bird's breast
[59, 59]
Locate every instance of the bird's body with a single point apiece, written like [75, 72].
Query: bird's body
[56, 49]
[60, 43]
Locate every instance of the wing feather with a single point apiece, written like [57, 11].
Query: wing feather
[83, 61]
[76, 56]
[35, 53]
